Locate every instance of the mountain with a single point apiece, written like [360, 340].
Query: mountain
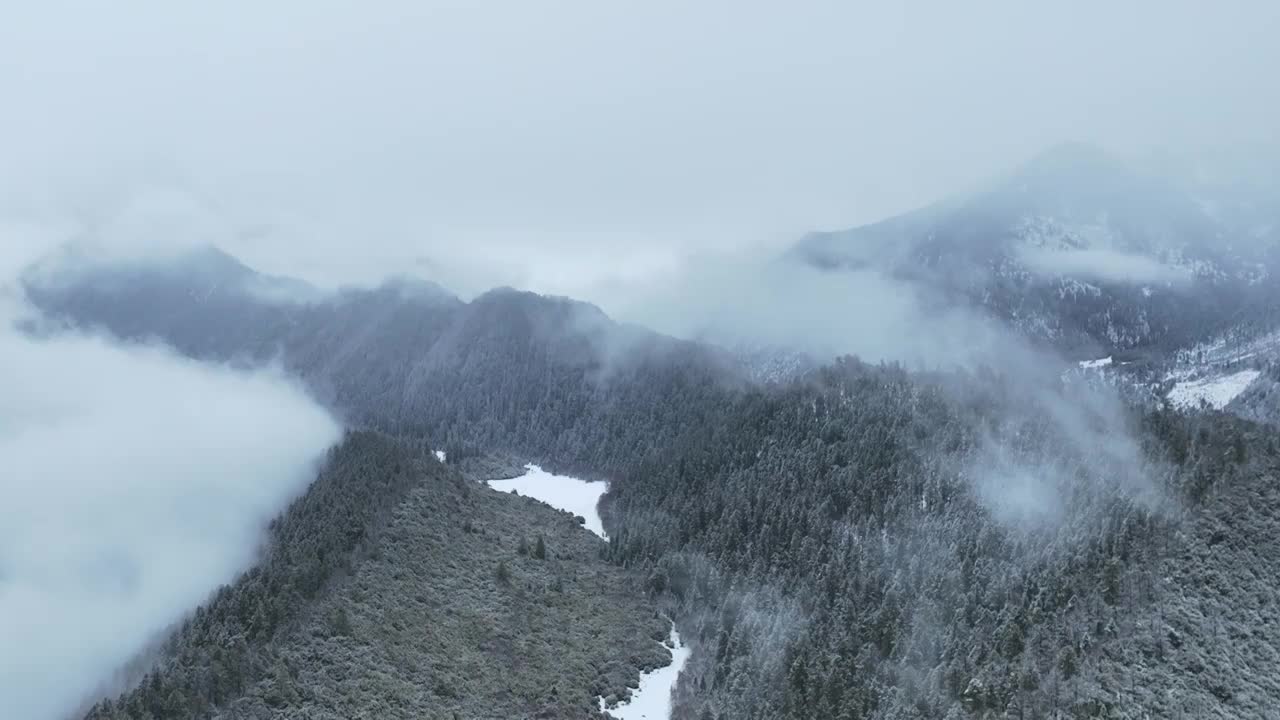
[541, 374]
[1075, 250]
[857, 541]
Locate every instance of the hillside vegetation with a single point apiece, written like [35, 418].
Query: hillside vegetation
[395, 588]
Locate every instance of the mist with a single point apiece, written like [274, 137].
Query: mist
[1105, 265]
[763, 300]
[567, 149]
[136, 482]
[654, 161]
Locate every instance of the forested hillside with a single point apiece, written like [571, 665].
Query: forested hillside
[550, 379]
[830, 558]
[395, 588]
[858, 542]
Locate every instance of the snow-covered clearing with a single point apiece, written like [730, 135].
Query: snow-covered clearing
[1091, 364]
[1217, 392]
[567, 493]
[652, 700]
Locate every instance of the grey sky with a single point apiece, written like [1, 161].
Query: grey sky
[576, 146]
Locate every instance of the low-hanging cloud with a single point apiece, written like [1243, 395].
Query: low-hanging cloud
[763, 300]
[135, 483]
[1085, 453]
[1110, 266]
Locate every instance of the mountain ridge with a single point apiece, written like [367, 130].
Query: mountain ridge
[1075, 250]
[861, 539]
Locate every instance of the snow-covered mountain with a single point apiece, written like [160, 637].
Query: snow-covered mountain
[1081, 251]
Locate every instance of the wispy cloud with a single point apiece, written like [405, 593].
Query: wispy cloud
[1104, 265]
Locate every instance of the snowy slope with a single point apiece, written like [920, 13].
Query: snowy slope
[1217, 391]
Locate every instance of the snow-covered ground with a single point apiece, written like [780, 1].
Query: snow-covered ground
[1216, 391]
[440, 455]
[567, 493]
[652, 700]
[1092, 364]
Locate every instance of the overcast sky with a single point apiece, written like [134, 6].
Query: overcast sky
[575, 146]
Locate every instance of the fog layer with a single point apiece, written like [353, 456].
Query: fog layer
[1105, 265]
[135, 483]
[562, 149]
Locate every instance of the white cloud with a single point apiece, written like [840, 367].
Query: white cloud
[135, 482]
[1104, 265]
[763, 300]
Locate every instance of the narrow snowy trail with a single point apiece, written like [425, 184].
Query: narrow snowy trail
[652, 700]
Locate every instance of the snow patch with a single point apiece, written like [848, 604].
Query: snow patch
[561, 491]
[1093, 364]
[1217, 392]
[440, 455]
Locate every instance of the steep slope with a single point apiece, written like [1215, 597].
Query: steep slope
[1205, 645]
[1076, 250]
[394, 588]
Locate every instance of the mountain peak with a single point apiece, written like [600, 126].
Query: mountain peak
[1062, 248]
[210, 262]
[413, 287]
[1072, 168]
[1071, 154]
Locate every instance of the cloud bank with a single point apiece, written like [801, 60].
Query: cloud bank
[762, 300]
[1104, 265]
[135, 483]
